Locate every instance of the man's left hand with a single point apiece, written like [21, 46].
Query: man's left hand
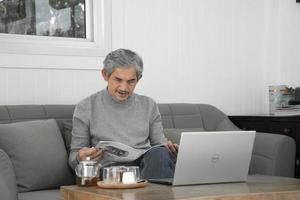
[172, 148]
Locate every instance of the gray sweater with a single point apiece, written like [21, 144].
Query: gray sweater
[135, 122]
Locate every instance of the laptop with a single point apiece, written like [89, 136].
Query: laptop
[212, 157]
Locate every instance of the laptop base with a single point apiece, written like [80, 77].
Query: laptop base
[164, 181]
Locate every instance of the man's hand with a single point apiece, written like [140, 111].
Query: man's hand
[172, 148]
[93, 153]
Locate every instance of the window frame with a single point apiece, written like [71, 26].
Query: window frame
[97, 42]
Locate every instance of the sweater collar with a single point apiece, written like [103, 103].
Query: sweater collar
[114, 101]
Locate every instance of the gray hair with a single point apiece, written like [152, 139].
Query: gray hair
[123, 58]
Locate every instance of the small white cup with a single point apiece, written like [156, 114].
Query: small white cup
[128, 178]
[121, 174]
[130, 175]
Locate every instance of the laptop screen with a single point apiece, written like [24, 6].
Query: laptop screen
[213, 157]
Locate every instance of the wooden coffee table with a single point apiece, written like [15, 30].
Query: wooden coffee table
[256, 188]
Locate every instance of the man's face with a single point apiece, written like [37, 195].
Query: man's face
[121, 83]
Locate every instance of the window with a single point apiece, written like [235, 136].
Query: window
[55, 27]
[58, 18]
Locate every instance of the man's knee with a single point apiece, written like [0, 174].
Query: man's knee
[157, 163]
[158, 155]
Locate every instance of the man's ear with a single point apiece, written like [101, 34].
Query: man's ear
[104, 74]
[140, 77]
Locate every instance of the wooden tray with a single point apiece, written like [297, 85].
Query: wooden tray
[140, 184]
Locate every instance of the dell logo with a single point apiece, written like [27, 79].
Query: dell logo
[215, 158]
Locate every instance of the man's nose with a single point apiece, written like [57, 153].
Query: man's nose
[124, 86]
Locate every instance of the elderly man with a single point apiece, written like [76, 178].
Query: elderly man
[116, 113]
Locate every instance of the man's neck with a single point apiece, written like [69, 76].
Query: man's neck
[116, 100]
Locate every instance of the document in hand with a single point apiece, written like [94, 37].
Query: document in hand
[119, 152]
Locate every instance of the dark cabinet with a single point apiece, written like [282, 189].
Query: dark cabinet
[286, 125]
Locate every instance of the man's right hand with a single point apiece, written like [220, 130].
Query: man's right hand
[93, 153]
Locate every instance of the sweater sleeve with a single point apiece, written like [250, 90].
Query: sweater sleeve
[156, 134]
[80, 131]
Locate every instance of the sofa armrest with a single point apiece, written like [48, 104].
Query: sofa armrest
[8, 188]
[273, 154]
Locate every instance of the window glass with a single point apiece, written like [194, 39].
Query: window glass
[58, 18]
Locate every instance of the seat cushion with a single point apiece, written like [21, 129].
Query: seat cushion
[38, 154]
[41, 195]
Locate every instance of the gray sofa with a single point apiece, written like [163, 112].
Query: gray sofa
[34, 147]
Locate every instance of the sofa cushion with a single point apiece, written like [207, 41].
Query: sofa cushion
[174, 134]
[211, 116]
[41, 195]
[186, 116]
[38, 154]
[8, 189]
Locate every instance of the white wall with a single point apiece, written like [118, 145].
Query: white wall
[284, 33]
[224, 53]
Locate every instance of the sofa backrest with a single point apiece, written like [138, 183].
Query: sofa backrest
[186, 115]
[15, 113]
[174, 115]
[32, 112]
